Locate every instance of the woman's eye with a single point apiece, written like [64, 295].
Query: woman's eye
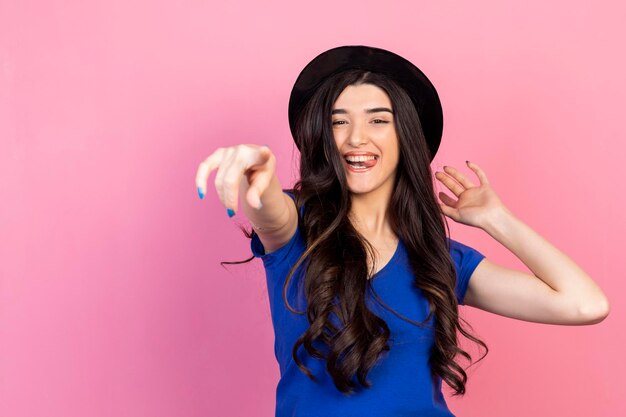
[336, 122]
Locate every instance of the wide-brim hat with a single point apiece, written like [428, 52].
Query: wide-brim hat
[401, 70]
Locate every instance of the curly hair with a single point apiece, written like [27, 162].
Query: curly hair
[336, 273]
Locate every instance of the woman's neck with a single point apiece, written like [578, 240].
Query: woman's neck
[369, 213]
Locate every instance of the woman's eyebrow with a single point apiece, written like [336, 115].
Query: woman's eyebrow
[372, 110]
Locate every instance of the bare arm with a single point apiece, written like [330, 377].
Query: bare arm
[277, 220]
[559, 292]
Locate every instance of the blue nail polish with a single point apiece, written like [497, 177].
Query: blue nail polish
[200, 193]
[230, 212]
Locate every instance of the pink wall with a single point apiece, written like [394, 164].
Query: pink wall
[112, 299]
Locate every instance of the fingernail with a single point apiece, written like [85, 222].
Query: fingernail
[260, 206]
[200, 193]
[230, 212]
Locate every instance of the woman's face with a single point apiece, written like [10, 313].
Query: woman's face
[363, 123]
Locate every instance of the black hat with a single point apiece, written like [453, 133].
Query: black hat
[407, 75]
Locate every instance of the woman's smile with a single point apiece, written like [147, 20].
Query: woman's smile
[360, 164]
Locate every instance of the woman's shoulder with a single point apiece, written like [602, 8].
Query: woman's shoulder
[463, 255]
[458, 247]
[291, 192]
[290, 248]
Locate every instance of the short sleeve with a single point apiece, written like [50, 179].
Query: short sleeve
[466, 259]
[281, 254]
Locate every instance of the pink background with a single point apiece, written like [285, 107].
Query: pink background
[112, 299]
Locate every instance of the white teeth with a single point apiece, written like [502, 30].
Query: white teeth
[359, 158]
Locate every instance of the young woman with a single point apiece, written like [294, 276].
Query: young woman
[363, 280]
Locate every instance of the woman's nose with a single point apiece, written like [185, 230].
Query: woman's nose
[357, 137]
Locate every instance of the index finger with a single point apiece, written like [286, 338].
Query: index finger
[205, 168]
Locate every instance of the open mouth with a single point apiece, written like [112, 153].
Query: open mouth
[361, 163]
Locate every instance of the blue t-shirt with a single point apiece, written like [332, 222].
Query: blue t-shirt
[401, 381]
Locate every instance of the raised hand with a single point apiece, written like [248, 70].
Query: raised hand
[254, 162]
[476, 204]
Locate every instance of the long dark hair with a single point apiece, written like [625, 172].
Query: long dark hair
[336, 274]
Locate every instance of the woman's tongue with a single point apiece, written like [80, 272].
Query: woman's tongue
[366, 164]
